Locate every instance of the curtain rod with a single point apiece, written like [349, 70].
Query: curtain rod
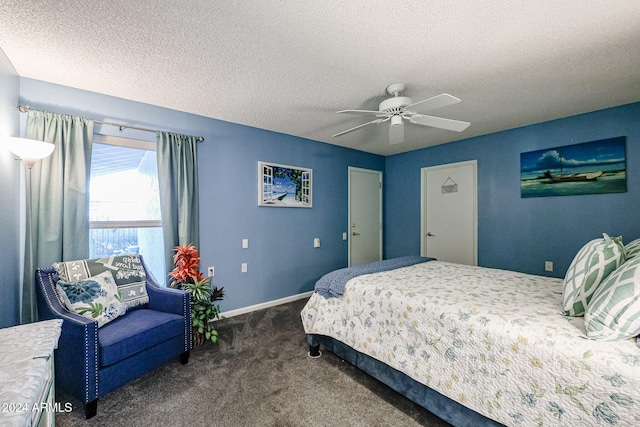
[25, 109]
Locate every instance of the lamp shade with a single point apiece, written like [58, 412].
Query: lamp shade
[30, 150]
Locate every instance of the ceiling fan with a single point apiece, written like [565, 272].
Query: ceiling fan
[399, 108]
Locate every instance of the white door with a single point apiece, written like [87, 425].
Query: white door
[365, 216]
[449, 229]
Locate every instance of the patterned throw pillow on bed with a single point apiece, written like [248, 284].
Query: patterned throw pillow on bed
[592, 264]
[96, 298]
[632, 249]
[614, 311]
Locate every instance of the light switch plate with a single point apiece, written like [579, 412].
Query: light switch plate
[245, 243]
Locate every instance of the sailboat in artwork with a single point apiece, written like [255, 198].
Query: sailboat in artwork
[572, 177]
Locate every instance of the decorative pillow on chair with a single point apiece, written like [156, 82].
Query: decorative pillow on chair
[127, 271]
[632, 249]
[96, 298]
[614, 311]
[592, 264]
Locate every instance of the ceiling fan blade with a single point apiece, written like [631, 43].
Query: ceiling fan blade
[376, 121]
[396, 134]
[362, 112]
[432, 103]
[439, 122]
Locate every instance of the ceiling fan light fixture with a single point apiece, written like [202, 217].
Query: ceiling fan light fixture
[396, 120]
[397, 108]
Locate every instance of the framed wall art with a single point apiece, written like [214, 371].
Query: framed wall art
[594, 167]
[284, 186]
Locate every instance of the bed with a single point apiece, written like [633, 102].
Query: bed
[477, 346]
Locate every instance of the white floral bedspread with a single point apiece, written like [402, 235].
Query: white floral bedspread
[493, 340]
[24, 355]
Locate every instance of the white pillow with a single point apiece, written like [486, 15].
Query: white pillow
[96, 298]
[591, 265]
[632, 249]
[614, 310]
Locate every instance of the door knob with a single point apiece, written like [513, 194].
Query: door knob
[429, 234]
[355, 234]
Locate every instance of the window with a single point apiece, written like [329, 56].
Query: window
[124, 208]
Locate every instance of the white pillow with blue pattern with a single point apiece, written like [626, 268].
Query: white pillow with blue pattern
[591, 265]
[614, 311]
[96, 298]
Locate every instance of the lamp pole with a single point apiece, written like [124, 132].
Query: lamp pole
[30, 301]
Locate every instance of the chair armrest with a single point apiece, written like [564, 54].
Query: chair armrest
[171, 300]
[168, 299]
[76, 357]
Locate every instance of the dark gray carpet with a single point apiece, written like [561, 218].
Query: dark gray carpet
[258, 374]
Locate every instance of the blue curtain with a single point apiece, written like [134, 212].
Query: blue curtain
[59, 220]
[178, 186]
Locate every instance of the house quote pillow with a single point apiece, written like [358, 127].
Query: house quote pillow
[127, 271]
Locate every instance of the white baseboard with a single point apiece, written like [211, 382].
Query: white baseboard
[264, 305]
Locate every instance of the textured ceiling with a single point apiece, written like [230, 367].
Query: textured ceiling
[289, 65]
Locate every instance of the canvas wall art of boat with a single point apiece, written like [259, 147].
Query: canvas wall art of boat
[594, 167]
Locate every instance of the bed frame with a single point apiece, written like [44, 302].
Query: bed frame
[440, 405]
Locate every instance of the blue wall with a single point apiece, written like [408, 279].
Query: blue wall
[281, 259]
[10, 273]
[515, 233]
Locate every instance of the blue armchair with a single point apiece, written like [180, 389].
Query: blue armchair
[91, 361]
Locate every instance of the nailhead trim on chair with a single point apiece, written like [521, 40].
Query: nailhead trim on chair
[187, 325]
[95, 338]
[86, 366]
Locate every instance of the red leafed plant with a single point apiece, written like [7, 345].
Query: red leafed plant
[186, 276]
[187, 261]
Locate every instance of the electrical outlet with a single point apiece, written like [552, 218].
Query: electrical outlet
[245, 243]
[316, 242]
[548, 266]
[244, 267]
[210, 272]
[344, 236]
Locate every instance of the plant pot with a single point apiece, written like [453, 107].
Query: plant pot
[197, 339]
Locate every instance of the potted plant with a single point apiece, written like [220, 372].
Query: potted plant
[186, 276]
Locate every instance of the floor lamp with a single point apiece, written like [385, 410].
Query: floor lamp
[29, 151]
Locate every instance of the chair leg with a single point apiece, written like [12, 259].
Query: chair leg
[91, 409]
[184, 358]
